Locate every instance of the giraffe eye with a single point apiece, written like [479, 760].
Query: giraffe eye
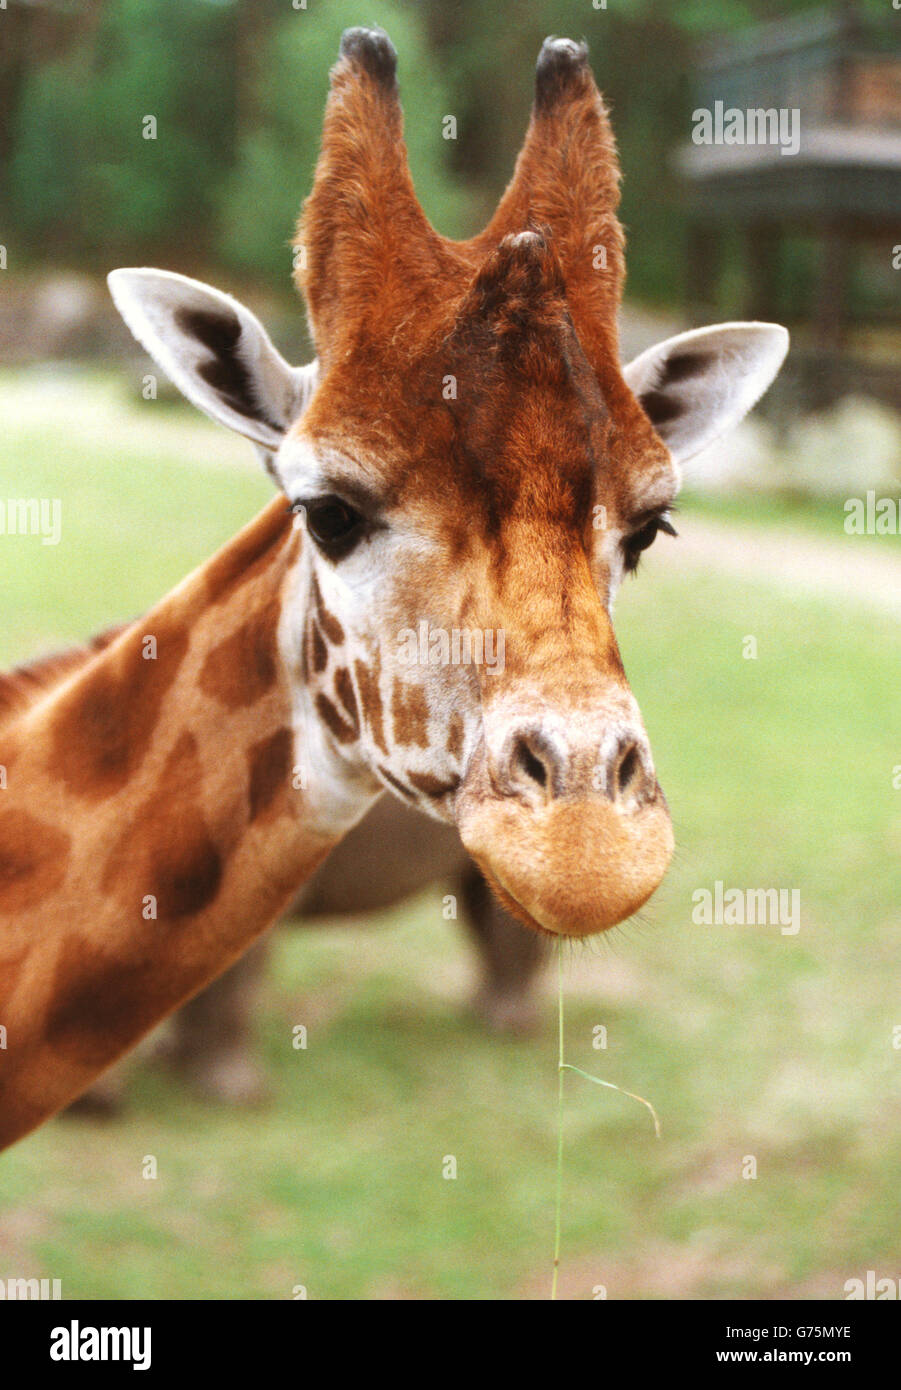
[334, 525]
[644, 537]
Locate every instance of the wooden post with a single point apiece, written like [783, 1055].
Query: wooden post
[832, 292]
[702, 264]
[762, 262]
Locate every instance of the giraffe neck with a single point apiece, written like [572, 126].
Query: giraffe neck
[151, 825]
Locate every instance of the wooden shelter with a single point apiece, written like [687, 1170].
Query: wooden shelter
[817, 151]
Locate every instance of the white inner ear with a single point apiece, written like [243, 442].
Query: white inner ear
[697, 385]
[216, 352]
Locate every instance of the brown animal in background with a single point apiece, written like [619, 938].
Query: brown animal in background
[466, 454]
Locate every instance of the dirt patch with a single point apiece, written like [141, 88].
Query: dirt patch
[696, 1269]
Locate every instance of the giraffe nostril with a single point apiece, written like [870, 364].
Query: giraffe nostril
[627, 770]
[527, 762]
[541, 765]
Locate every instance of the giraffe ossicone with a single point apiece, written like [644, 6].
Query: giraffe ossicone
[281, 702]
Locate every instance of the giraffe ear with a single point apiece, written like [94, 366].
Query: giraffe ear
[696, 386]
[216, 352]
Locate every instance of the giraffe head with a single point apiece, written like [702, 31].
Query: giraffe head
[475, 473]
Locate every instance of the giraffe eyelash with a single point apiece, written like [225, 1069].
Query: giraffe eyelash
[644, 536]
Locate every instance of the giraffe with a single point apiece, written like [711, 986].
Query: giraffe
[393, 853]
[465, 451]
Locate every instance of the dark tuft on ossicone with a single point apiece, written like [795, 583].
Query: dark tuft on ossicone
[373, 50]
[560, 63]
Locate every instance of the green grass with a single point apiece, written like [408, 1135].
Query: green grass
[147, 491]
[788, 513]
[749, 1043]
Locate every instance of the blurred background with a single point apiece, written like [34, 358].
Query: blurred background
[783, 768]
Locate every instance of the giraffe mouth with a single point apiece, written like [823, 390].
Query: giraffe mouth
[514, 907]
[571, 866]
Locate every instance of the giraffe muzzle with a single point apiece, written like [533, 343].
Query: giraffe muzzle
[572, 840]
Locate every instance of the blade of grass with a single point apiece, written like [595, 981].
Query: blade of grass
[562, 1066]
[567, 1066]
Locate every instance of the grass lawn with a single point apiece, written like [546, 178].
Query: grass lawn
[753, 1045]
[790, 514]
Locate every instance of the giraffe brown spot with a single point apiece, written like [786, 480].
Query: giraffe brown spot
[188, 872]
[432, 786]
[101, 1004]
[318, 649]
[330, 625]
[371, 700]
[10, 970]
[106, 721]
[242, 668]
[23, 685]
[167, 851]
[330, 716]
[455, 732]
[395, 783]
[251, 552]
[10, 750]
[305, 658]
[344, 689]
[33, 860]
[270, 762]
[409, 714]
